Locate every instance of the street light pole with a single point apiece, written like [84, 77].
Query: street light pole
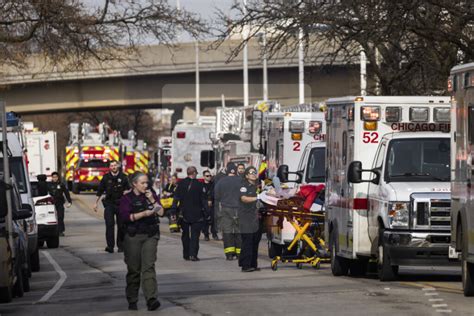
[363, 73]
[246, 61]
[301, 66]
[265, 68]
[198, 87]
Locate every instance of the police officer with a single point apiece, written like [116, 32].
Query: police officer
[139, 211]
[58, 191]
[113, 184]
[241, 170]
[249, 221]
[227, 197]
[209, 225]
[190, 204]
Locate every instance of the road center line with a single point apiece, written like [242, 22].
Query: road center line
[59, 283]
[436, 299]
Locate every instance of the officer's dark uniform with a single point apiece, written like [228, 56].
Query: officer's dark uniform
[58, 191]
[211, 224]
[249, 227]
[190, 205]
[140, 246]
[113, 187]
[227, 195]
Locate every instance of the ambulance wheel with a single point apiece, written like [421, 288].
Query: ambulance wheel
[6, 294]
[385, 269]
[299, 266]
[76, 189]
[18, 290]
[34, 258]
[339, 265]
[467, 272]
[274, 249]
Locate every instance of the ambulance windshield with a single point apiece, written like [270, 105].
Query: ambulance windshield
[418, 160]
[316, 165]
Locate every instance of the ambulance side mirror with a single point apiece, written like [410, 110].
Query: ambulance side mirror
[282, 173]
[354, 173]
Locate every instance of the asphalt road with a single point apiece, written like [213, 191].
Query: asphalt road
[79, 278]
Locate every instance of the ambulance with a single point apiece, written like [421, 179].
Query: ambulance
[41, 150]
[192, 146]
[288, 135]
[387, 183]
[461, 85]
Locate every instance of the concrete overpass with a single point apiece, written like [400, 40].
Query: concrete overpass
[160, 76]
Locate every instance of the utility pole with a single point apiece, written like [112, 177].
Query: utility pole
[301, 65]
[246, 60]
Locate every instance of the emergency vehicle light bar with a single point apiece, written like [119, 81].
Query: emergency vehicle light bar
[297, 126]
[315, 127]
[419, 114]
[393, 114]
[442, 114]
[370, 113]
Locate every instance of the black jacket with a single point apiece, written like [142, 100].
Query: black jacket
[58, 191]
[113, 187]
[190, 201]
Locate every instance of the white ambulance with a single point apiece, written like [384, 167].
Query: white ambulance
[42, 151]
[387, 182]
[192, 146]
[461, 84]
[288, 135]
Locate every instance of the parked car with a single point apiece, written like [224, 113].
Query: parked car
[46, 215]
[14, 266]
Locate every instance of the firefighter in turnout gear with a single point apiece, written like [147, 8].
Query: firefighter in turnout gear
[113, 185]
[59, 191]
[139, 211]
[167, 197]
[227, 198]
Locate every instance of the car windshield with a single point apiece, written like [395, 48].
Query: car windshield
[16, 168]
[418, 160]
[316, 165]
[93, 164]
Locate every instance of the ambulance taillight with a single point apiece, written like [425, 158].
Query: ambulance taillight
[181, 135]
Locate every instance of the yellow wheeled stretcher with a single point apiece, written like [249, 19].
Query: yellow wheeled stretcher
[310, 247]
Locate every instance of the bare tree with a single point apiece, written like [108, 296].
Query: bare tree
[70, 32]
[410, 44]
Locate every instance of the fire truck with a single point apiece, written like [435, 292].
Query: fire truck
[41, 149]
[461, 85]
[134, 154]
[88, 154]
[192, 146]
[387, 183]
